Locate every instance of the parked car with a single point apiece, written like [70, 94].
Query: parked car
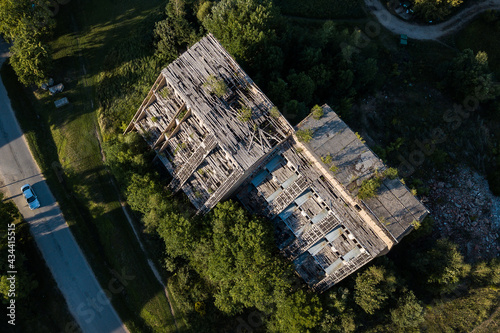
[30, 196]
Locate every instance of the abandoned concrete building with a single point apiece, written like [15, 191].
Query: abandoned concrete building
[219, 136]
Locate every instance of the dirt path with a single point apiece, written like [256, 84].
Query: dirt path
[428, 32]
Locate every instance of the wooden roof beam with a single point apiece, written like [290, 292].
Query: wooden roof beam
[131, 125]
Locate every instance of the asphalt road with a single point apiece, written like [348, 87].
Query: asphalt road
[429, 32]
[85, 298]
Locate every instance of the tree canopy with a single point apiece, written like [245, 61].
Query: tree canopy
[242, 26]
[435, 9]
[442, 266]
[28, 25]
[373, 288]
[470, 76]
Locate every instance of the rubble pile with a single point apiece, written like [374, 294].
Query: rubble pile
[466, 212]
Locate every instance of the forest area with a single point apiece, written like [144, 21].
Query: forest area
[223, 269]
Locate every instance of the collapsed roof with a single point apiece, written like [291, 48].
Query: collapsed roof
[218, 134]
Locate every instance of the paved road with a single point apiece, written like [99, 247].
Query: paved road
[73, 275]
[428, 32]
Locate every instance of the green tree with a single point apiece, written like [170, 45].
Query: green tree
[298, 312]
[346, 79]
[174, 33]
[338, 317]
[29, 28]
[18, 16]
[203, 10]
[25, 283]
[486, 273]
[373, 288]
[442, 267]
[408, 314]
[432, 10]
[242, 26]
[279, 92]
[301, 86]
[178, 232]
[294, 110]
[367, 72]
[241, 262]
[470, 76]
[321, 75]
[125, 155]
[463, 314]
[31, 59]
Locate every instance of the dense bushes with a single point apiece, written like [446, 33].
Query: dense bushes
[432, 10]
[232, 253]
[28, 26]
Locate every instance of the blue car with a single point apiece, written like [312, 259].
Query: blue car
[30, 196]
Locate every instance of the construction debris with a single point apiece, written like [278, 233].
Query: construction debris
[466, 212]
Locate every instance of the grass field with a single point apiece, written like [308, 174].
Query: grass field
[492, 324]
[323, 9]
[465, 313]
[69, 137]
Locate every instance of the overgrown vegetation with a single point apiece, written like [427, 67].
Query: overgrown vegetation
[225, 264]
[274, 112]
[304, 135]
[391, 173]
[244, 113]
[435, 10]
[28, 26]
[327, 159]
[215, 86]
[369, 187]
[317, 112]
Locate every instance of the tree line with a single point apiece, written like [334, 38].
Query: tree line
[28, 25]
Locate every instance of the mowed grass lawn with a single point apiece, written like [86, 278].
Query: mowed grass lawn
[67, 139]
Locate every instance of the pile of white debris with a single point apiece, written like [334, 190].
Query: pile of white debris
[466, 212]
